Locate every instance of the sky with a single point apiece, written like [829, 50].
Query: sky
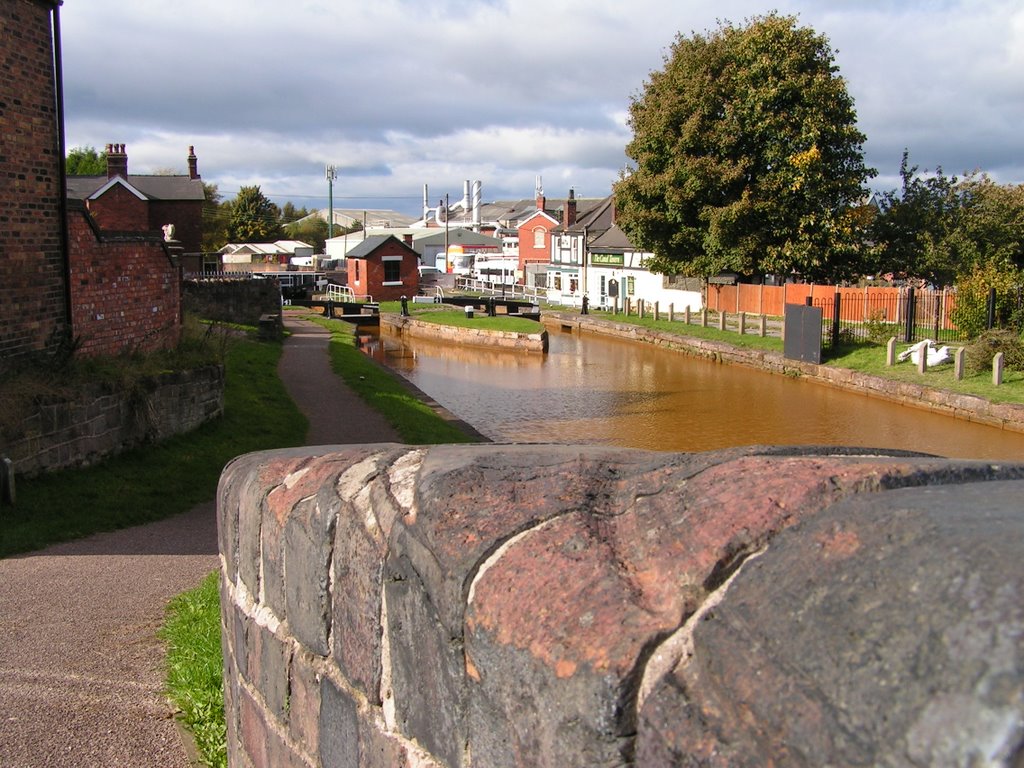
[398, 94]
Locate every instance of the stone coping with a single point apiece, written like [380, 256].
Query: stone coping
[520, 342]
[1008, 416]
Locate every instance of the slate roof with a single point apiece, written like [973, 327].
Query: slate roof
[612, 241]
[371, 244]
[153, 187]
[596, 220]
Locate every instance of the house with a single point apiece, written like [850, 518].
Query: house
[383, 268]
[265, 257]
[569, 243]
[615, 271]
[534, 238]
[124, 202]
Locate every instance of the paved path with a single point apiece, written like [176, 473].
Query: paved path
[81, 666]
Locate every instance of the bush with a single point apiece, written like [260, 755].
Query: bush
[971, 311]
[979, 354]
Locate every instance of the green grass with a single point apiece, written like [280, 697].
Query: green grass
[457, 318]
[870, 359]
[415, 421]
[195, 668]
[695, 330]
[156, 481]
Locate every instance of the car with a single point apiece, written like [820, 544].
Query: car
[427, 270]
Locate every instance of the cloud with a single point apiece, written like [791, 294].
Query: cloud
[398, 93]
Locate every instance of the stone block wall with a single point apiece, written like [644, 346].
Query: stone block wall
[99, 422]
[457, 606]
[240, 300]
[523, 342]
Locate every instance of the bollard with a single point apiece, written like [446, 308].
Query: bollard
[721, 320]
[405, 307]
[997, 369]
[922, 360]
[7, 481]
[890, 351]
[686, 315]
[743, 323]
[657, 310]
[959, 360]
[640, 308]
[763, 326]
[704, 318]
[469, 311]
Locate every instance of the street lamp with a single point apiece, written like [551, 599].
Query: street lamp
[331, 176]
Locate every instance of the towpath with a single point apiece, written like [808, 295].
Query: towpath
[81, 665]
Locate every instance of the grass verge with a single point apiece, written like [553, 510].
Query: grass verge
[415, 421]
[195, 668]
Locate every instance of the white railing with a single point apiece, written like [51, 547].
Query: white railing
[511, 290]
[345, 293]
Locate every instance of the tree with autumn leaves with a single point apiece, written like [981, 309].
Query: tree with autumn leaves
[747, 157]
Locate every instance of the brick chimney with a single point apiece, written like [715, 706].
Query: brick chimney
[193, 163]
[570, 208]
[117, 161]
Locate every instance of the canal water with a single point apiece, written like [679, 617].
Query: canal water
[594, 389]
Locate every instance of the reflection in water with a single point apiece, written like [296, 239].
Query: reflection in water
[592, 389]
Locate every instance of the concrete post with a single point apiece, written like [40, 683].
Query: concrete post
[763, 326]
[686, 314]
[672, 312]
[657, 310]
[997, 369]
[958, 363]
[743, 323]
[922, 360]
[704, 318]
[890, 351]
[721, 320]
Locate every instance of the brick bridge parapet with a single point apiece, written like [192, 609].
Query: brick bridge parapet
[504, 605]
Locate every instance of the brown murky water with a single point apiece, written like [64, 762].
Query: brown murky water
[591, 389]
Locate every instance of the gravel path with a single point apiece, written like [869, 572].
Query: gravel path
[81, 666]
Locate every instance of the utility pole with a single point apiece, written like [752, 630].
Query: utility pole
[331, 176]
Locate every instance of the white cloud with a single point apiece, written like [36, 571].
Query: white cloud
[400, 93]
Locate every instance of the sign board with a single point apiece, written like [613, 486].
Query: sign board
[607, 259]
[613, 288]
[802, 333]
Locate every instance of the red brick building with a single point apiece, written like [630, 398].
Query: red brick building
[34, 300]
[136, 202]
[384, 268]
[63, 274]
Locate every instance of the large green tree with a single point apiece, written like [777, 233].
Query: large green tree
[86, 161]
[747, 156]
[254, 218]
[911, 224]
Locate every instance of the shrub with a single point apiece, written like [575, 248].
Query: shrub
[979, 354]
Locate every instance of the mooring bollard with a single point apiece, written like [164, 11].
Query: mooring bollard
[469, 311]
[7, 495]
[997, 369]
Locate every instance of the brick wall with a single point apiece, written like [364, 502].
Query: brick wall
[232, 300]
[120, 210]
[371, 273]
[559, 606]
[126, 291]
[185, 215]
[32, 286]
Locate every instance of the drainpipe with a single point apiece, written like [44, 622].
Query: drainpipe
[62, 202]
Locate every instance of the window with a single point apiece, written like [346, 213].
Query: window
[538, 237]
[558, 281]
[392, 271]
[630, 285]
[604, 286]
[356, 262]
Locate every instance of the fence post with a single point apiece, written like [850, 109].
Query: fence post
[836, 314]
[704, 317]
[762, 330]
[686, 314]
[672, 312]
[721, 320]
[909, 331]
[743, 323]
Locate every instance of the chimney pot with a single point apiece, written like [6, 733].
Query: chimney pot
[193, 163]
[117, 161]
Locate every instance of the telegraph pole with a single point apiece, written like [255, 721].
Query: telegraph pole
[331, 176]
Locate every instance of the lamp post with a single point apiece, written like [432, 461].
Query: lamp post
[331, 176]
